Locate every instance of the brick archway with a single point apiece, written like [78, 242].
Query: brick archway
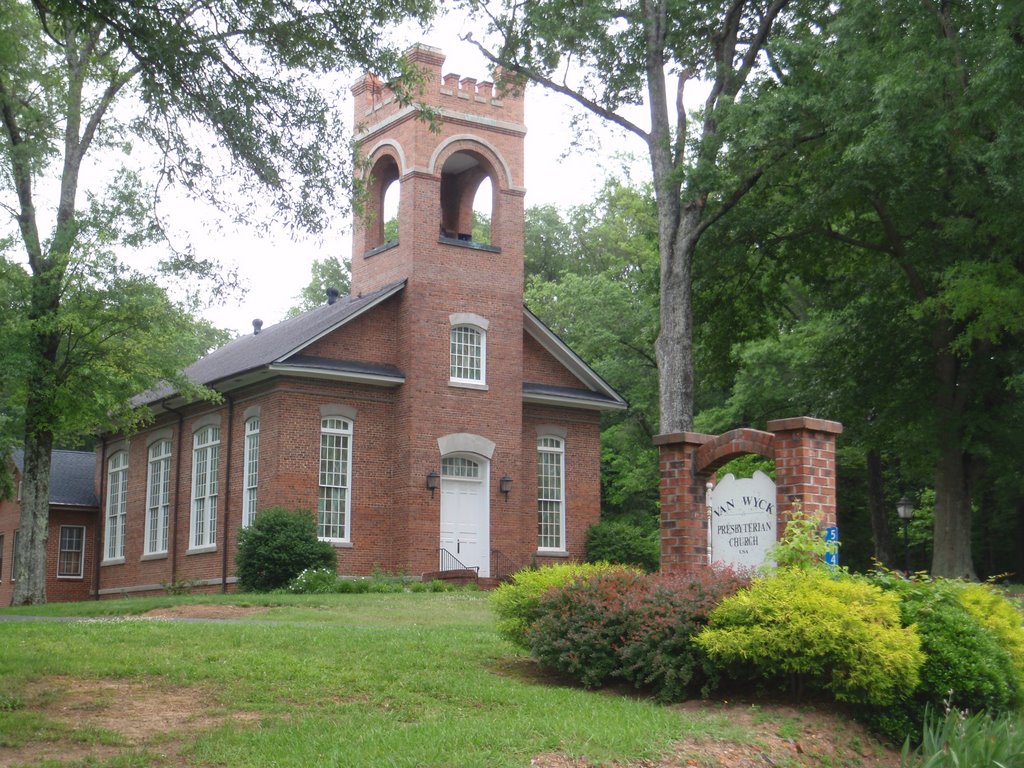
[803, 449]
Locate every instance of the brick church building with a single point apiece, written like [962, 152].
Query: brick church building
[428, 419]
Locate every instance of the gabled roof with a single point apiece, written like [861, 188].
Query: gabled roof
[597, 394]
[275, 344]
[72, 476]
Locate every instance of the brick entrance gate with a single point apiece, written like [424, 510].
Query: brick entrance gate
[803, 449]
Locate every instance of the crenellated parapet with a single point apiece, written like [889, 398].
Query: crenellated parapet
[451, 93]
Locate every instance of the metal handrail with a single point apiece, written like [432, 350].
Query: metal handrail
[503, 566]
[450, 562]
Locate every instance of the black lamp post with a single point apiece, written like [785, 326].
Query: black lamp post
[905, 509]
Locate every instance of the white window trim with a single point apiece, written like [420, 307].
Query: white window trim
[347, 430]
[251, 470]
[205, 489]
[114, 533]
[3, 540]
[479, 383]
[81, 553]
[558, 450]
[14, 556]
[161, 463]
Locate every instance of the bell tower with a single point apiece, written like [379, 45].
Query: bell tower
[459, 323]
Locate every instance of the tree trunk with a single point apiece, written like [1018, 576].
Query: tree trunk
[881, 533]
[674, 346]
[952, 554]
[30, 584]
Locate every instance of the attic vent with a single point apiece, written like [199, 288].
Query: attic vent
[332, 295]
[257, 326]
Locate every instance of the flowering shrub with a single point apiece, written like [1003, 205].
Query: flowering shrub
[816, 631]
[624, 625]
[314, 581]
[517, 602]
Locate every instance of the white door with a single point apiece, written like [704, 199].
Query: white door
[465, 529]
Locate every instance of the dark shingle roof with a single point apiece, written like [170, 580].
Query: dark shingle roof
[72, 476]
[274, 343]
[571, 394]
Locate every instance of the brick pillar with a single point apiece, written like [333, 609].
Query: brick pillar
[805, 467]
[684, 534]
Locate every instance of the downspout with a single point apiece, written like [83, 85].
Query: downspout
[98, 535]
[227, 497]
[177, 484]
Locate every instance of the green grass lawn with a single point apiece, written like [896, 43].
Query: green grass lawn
[339, 680]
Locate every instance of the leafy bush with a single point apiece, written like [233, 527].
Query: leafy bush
[816, 631]
[624, 625]
[802, 544]
[967, 741]
[1000, 617]
[582, 626]
[965, 668]
[517, 601]
[277, 546]
[661, 653]
[314, 581]
[623, 542]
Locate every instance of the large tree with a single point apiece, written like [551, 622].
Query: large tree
[219, 89]
[918, 180]
[610, 57]
[901, 224]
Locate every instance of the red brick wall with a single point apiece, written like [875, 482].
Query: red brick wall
[539, 367]
[57, 590]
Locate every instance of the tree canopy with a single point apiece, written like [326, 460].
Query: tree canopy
[229, 91]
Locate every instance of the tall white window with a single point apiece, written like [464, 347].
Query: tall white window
[1, 557]
[468, 354]
[158, 485]
[71, 555]
[335, 479]
[205, 461]
[550, 493]
[14, 557]
[117, 505]
[251, 460]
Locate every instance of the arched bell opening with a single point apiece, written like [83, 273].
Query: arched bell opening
[467, 198]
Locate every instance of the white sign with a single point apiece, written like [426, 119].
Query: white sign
[742, 516]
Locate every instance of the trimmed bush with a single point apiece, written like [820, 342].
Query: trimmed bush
[583, 625]
[517, 601]
[625, 543]
[627, 626]
[1000, 617]
[813, 630]
[279, 545]
[965, 668]
[661, 653]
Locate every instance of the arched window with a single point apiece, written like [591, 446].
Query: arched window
[550, 493]
[158, 484]
[117, 505]
[335, 506]
[251, 462]
[205, 489]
